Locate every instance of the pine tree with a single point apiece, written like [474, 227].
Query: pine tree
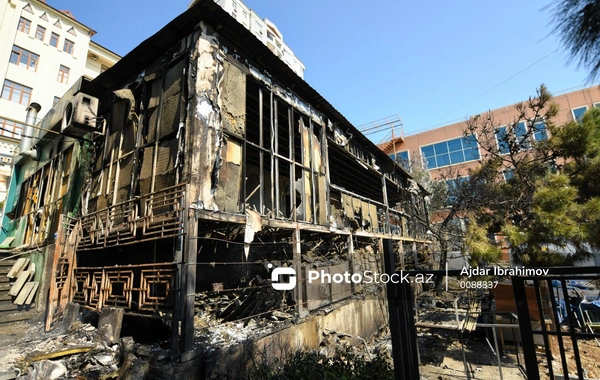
[578, 25]
[549, 205]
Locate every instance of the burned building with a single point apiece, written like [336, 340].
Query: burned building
[194, 166]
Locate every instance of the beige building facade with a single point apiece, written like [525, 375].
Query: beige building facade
[43, 52]
[447, 148]
[265, 30]
[448, 152]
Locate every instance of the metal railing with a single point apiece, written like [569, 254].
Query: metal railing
[564, 326]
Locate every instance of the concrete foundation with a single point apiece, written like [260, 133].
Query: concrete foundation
[360, 318]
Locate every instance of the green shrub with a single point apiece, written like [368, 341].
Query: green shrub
[303, 365]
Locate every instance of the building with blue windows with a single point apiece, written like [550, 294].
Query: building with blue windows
[450, 148]
[450, 152]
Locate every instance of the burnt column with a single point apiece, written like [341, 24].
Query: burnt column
[402, 324]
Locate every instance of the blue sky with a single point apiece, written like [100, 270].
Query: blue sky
[431, 63]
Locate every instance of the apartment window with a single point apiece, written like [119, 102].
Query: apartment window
[270, 35]
[502, 140]
[454, 187]
[63, 74]
[54, 39]
[401, 158]
[24, 25]
[16, 92]
[24, 58]
[521, 134]
[578, 113]
[540, 132]
[508, 174]
[520, 131]
[55, 100]
[258, 27]
[451, 152]
[68, 46]
[40, 32]
[11, 129]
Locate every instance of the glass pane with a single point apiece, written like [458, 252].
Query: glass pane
[501, 138]
[457, 157]
[469, 141]
[441, 148]
[540, 132]
[578, 113]
[443, 160]
[431, 163]
[520, 129]
[16, 95]
[471, 154]
[25, 100]
[427, 151]
[454, 145]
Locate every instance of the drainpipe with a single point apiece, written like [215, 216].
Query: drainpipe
[27, 138]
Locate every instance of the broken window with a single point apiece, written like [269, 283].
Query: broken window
[40, 198]
[285, 173]
[134, 184]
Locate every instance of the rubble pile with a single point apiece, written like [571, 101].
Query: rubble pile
[84, 352]
[257, 300]
[224, 335]
[379, 345]
[433, 345]
[230, 317]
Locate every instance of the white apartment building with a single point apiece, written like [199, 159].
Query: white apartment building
[43, 52]
[265, 30]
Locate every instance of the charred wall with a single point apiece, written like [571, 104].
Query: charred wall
[210, 172]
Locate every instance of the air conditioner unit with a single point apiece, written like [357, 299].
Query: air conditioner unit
[79, 117]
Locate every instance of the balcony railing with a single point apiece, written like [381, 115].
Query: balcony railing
[154, 216]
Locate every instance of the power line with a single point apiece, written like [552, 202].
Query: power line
[493, 88]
